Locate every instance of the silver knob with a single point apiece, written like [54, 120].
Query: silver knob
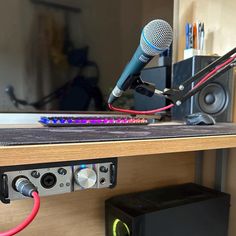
[85, 178]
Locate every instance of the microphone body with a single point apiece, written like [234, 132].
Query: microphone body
[156, 37]
[136, 64]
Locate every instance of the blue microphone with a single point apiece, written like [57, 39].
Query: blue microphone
[156, 37]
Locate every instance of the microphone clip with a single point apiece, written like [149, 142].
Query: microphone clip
[149, 89]
[142, 87]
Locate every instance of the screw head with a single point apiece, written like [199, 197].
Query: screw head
[103, 169]
[62, 171]
[35, 174]
[178, 103]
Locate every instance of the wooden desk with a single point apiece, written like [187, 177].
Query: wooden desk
[30, 154]
[143, 164]
[58, 151]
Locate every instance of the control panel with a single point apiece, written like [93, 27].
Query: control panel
[59, 178]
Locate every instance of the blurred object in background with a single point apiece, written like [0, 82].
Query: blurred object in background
[56, 58]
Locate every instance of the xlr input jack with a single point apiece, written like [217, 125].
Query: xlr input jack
[48, 180]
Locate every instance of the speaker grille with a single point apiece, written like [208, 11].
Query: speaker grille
[213, 99]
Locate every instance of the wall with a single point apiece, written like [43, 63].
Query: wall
[110, 28]
[11, 50]
[99, 27]
[24, 52]
[218, 16]
[25, 60]
[126, 19]
[153, 9]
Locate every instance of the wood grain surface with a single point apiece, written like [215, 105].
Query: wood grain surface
[17, 155]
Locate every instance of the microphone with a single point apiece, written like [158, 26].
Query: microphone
[156, 37]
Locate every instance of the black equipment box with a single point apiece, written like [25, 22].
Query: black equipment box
[181, 210]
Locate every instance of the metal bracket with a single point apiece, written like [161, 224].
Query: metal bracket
[4, 189]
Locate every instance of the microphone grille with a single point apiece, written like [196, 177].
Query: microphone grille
[156, 37]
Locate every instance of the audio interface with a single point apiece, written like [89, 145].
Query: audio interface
[59, 178]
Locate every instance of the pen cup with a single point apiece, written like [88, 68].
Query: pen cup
[193, 52]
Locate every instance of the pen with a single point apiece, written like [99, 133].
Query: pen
[202, 37]
[190, 36]
[187, 35]
[199, 35]
[194, 35]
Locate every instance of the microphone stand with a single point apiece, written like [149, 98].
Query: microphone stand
[179, 95]
[38, 104]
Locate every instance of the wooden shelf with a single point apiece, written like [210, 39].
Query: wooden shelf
[32, 154]
[162, 162]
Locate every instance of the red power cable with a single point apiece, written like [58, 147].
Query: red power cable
[28, 220]
[140, 112]
[206, 77]
[214, 71]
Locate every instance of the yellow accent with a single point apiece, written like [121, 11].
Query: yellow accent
[114, 226]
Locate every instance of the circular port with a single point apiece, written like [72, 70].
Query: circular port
[48, 180]
[102, 181]
[15, 180]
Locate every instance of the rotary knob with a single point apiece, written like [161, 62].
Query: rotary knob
[85, 178]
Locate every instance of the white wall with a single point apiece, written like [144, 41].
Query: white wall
[218, 17]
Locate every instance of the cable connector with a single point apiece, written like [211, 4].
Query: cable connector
[25, 187]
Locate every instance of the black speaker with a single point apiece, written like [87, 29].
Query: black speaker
[215, 99]
[180, 210]
[161, 77]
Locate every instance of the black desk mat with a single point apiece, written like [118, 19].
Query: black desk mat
[33, 136]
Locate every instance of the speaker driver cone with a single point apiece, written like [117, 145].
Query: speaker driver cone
[213, 99]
